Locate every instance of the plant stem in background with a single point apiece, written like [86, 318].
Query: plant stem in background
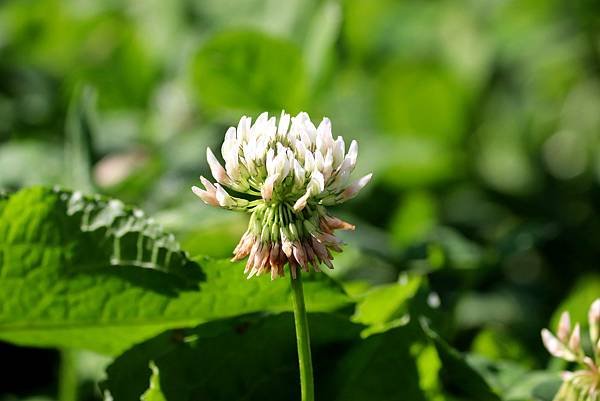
[303, 341]
[67, 390]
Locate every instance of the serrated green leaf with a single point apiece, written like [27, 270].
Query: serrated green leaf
[86, 273]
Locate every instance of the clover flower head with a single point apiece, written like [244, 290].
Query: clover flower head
[284, 173]
[582, 384]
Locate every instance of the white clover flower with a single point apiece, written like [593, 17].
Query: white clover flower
[284, 174]
[583, 384]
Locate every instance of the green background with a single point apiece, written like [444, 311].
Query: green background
[480, 120]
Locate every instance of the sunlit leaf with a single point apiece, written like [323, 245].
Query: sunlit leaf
[91, 273]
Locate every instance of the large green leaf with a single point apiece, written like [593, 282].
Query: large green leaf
[379, 368]
[236, 70]
[90, 273]
[457, 375]
[254, 358]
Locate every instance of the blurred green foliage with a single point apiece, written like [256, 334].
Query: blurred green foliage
[479, 119]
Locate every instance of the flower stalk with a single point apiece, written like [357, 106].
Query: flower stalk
[285, 175]
[303, 341]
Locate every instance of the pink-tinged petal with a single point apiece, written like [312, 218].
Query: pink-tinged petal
[555, 347]
[207, 197]
[207, 184]
[564, 327]
[551, 343]
[575, 340]
[266, 190]
[355, 187]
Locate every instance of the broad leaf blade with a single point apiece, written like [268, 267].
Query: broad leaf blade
[254, 358]
[245, 358]
[456, 373]
[64, 281]
[379, 368]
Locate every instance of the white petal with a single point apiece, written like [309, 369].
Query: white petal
[328, 165]
[301, 202]
[324, 137]
[207, 197]
[575, 340]
[270, 129]
[309, 161]
[266, 190]
[555, 347]
[207, 184]
[284, 123]
[216, 168]
[243, 129]
[339, 150]
[355, 188]
[319, 161]
[262, 119]
[308, 126]
[270, 162]
[564, 327]
[317, 182]
[349, 162]
[353, 153]
[223, 197]
[299, 175]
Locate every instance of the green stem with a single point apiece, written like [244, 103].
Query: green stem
[67, 386]
[307, 386]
